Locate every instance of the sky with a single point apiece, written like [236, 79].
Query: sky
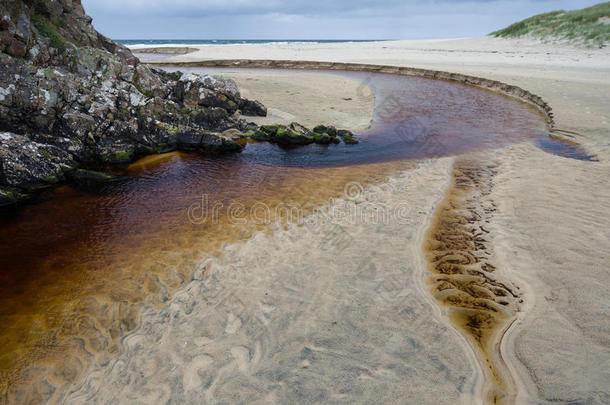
[312, 19]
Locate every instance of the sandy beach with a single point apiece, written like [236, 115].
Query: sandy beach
[549, 234]
[304, 219]
[338, 310]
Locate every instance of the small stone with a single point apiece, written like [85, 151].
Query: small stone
[16, 48]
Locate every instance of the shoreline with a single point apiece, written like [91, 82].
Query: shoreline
[305, 77]
[493, 85]
[232, 345]
[512, 226]
[581, 73]
[168, 50]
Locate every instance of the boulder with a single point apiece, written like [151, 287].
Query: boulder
[347, 137]
[70, 97]
[253, 108]
[90, 176]
[29, 164]
[297, 134]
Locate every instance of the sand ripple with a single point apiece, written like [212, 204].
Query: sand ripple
[286, 319]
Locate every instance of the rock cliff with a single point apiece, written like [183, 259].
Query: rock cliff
[71, 97]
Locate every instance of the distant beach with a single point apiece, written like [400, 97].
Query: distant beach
[154, 43]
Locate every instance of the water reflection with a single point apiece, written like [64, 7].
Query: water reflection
[76, 266]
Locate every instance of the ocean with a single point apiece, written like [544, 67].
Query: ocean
[143, 43]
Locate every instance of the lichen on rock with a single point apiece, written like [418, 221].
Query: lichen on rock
[70, 97]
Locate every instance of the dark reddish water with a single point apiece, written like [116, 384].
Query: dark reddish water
[75, 267]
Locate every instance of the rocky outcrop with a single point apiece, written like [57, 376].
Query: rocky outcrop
[296, 135]
[70, 97]
[496, 86]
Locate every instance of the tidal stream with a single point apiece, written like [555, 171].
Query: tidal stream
[76, 265]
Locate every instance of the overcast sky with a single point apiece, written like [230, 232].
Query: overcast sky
[312, 19]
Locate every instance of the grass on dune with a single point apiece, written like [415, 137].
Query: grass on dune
[589, 26]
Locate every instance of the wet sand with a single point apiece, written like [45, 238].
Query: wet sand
[319, 322]
[311, 98]
[550, 231]
[299, 315]
[148, 254]
[83, 283]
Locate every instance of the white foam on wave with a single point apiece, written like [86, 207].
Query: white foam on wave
[217, 43]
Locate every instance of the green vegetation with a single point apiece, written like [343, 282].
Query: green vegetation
[589, 26]
[47, 29]
[45, 154]
[54, 178]
[147, 94]
[347, 137]
[324, 138]
[119, 156]
[8, 195]
[122, 156]
[90, 175]
[296, 134]
[173, 130]
[323, 129]
[163, 148]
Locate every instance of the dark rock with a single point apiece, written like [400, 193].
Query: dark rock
[207, 91]
[117, 156]
[189, 140]
[14, 47]
[4, 23]
[347, 137]
[297, 134]
[323, 129]
[253, 108]
[82, 175]
[287, 136]
[29, 164]
[260, 135]
[10, 197]
[295, 126]
[222, 142]
[324, 138]
[69, 96]
[282, 135]
[7, 198]
[210, 118]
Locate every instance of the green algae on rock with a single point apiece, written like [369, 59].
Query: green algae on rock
[70, 97]
[297, 134]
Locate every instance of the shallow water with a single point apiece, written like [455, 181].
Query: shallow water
[414, 118]
[77, 265]
[564, 148]
[149, 57]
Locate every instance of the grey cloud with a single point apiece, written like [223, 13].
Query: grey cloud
[198, 9]
[313, 19]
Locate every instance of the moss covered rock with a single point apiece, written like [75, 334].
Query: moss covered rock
[10, 197]
[323, 129]
[324, 138]
[347, 137]
[82, 175]
[297, 134]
